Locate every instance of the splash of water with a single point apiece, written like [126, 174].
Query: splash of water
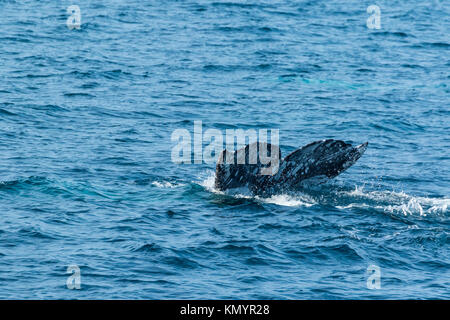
[384, 200]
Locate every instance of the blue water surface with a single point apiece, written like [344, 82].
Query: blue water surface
[87, 178]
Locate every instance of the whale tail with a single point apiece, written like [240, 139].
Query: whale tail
[258, 166]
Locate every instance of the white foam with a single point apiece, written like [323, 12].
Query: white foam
[289, 201]
[387, 201]
[208, 183]
[244, 193]
[166, 184]
[399, 202]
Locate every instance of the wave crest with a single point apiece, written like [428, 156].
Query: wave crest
[380, 200]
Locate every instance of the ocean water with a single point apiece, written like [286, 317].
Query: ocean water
[87, 178]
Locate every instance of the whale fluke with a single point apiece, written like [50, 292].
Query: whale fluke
[258, 166]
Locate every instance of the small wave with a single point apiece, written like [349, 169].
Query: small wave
[395, 34]
[32, 180]
[148, 247]
[397, 202]
[289, 201]
[166, 184]
[386, 201]
[6, 112]
[231, 4]
[78, 94]
[296, 200]
[33, 232]
[421, 206]
[436, 44]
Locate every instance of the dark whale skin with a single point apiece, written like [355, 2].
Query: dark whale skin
[313, 163]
